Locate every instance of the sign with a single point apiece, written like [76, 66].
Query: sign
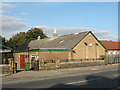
[36, 57]
[36, 53]
[26, 56]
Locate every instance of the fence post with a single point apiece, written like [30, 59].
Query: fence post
[36, 68]
[41, 63]
[106, 58]
[12, 65]
[57, 63]
[9, 61]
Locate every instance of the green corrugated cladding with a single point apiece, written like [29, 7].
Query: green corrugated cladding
[44, 50]
[55, 49]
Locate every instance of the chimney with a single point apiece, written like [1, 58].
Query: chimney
[38, 38]
[55, 34]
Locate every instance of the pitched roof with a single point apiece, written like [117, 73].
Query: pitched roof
[111, 45]
[23, 47]
[60, 42]
[4, 49]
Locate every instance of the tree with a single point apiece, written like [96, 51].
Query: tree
[20, 38]
[11, 43]
[2, 40]
[34, 33]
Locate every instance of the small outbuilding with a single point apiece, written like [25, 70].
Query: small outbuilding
[6, 54]
[113, 51]
[78, 46]
[6, 59]
[113, 47]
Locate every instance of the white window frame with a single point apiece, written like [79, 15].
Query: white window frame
[109, 52]
[113, 52]
[118, 52]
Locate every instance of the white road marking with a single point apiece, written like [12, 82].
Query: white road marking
[116, 88]
[83, 81]
[116, 75]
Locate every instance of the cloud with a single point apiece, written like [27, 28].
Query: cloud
[101, 34]
[116, 39]
[5, 8]
[23, 13]
[1, 11]
[9, 19]
[10, 25]
[8, 6]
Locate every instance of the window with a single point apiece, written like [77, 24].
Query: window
[23, 57]
[114, 52]
[96, 44]
[85, 43]
[118, 52]
[90, 36]
[32, 57]
[109, 52]
[90, 44]
[62, 41]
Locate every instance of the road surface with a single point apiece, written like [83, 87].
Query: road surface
[107, 79]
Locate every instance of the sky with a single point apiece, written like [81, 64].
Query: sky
[68, 17]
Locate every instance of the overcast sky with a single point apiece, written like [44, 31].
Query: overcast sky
[68, 17]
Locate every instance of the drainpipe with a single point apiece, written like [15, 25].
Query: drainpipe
[28, 55]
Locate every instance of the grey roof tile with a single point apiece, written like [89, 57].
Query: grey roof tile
[65, 41]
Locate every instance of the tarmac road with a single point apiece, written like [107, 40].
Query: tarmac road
[106, 79]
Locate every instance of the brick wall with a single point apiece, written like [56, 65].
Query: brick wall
[83, 51]
[5, 69]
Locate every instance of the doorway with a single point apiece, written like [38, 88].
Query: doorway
[22, 61]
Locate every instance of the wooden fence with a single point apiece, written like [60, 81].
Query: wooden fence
[112, 59]
[66, 63]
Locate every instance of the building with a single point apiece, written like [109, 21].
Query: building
[69, 47]
[6, 54]
[112, 47]
[55, 34]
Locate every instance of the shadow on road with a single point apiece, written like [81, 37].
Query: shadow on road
[90, 81]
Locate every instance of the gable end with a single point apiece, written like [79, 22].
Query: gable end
[94, 37]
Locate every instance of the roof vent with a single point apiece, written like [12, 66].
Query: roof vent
[62, 41]
[76, 33]
[38, 38]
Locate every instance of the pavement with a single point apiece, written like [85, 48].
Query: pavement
[26, 76]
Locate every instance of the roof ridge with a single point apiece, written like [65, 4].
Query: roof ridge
[109, 41]
[74, 33]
